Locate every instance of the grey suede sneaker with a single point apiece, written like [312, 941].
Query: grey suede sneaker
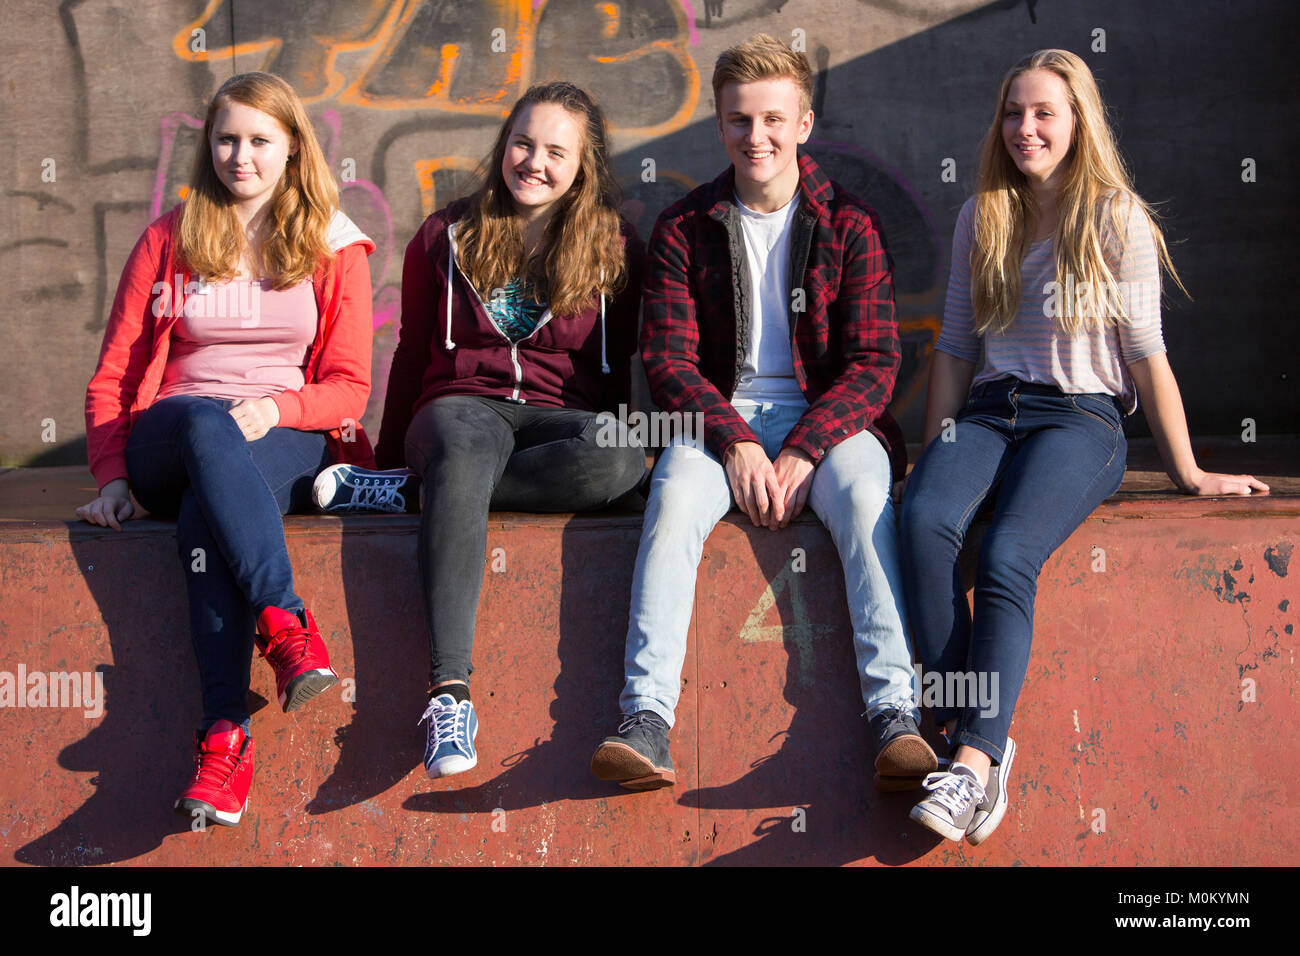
[951, 804]
[637, 756]
[990, 811]
[903, 757]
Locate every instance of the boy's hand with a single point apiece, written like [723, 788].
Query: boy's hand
[794, 471]
[753, 481]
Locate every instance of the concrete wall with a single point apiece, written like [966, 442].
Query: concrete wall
[1153, 728]
[101, 100]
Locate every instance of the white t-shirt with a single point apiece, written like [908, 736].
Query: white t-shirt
[767, 373]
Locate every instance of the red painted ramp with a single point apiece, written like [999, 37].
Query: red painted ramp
[1154, 728]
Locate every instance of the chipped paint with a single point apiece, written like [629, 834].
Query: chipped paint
[1278, 557]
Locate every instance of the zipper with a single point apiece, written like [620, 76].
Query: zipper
[514, 351]
[514, 346]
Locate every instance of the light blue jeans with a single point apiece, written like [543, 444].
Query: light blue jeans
[689, 494]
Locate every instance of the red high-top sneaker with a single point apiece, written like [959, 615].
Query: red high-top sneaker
[223, 771]
[294, 648]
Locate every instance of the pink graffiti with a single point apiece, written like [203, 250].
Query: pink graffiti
[168, 128]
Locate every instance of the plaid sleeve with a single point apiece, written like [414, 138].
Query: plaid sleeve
[671, 342]
[868, 343]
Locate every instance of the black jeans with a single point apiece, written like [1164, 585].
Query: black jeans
[478, 455]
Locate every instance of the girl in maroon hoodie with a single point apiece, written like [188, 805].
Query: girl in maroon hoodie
[519, 318]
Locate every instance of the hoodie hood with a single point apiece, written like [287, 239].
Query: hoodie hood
[343, 232]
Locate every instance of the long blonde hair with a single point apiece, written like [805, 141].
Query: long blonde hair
[581, 253]
[1094, 179]
[298, 216]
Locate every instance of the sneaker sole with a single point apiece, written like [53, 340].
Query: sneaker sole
[186, 807]
[906, 756]
[936, 823]
[978, 834]
[306, 686]
[448, 766]
[623, 765]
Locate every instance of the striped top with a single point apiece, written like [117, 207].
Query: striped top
[1035, 349]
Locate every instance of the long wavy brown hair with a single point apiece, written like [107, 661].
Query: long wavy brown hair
[294, 238]
[1093, 201]
[581, 253]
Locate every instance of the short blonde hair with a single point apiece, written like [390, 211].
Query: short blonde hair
[762, 57]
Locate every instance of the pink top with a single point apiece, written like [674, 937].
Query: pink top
[241, 339]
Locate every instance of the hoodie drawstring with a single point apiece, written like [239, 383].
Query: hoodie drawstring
[604, 364]
[451, 264]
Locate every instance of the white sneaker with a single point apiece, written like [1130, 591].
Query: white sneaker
[954, 796]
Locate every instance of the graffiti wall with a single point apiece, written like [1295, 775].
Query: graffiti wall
[103, 103]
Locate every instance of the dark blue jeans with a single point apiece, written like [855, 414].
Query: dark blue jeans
[1048, 459]
[186, 458]
[477, 455]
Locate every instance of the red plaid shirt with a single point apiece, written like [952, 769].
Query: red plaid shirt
[696, 319]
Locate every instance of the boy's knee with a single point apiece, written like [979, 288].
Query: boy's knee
[675, 508]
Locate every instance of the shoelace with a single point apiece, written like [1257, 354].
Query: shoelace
[372, 492]
[215, 768]
[899, 719]
[954, 791]
[445, 721]
[642, 717]
[287, 647]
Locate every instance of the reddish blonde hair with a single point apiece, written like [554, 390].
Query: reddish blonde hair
[297, 226]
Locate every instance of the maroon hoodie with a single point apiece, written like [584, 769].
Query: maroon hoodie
[576, 361]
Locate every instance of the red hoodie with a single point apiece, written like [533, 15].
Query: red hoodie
[459, 351]
[150, 299]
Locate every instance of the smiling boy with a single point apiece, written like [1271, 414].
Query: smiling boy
[769, 308]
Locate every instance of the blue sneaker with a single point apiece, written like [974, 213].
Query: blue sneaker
[452, 728]
[347, 489]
